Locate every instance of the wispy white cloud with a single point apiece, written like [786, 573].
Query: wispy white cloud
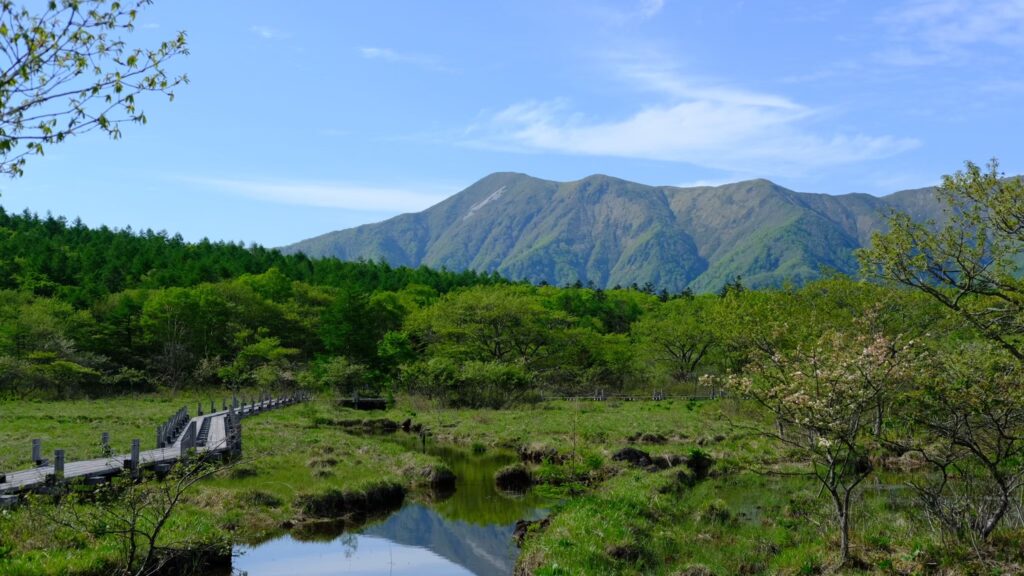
[424, 61]
[330, 194]
[938, 31]
[840, 69]
[650, 8]
[702, 182]
[653, 73]
[708, 133]
[624, 13]
[701, 123]
[268, 33]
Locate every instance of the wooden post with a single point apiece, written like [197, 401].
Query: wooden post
[238, 436]
[199, 408]
[58, 465]
[37, 451]
[188, 439]
[105, 443]
[213, 406]
[135, 458]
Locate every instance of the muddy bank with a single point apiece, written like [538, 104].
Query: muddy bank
[212, 560]
[341, 504]
[513, 478]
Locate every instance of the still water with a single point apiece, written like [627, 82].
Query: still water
[468, 532]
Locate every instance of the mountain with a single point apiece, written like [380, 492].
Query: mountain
[481, 549]
[614, 232]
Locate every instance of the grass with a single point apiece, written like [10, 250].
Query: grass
[75, 426]
[581, 426]
[611, 517]
[616, 519]
[289, 455]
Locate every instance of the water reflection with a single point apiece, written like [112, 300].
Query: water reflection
[352, 555]
[480, 549]
[468, 532]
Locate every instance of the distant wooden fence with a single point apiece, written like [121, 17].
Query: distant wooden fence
[654, 395]
[218, 432]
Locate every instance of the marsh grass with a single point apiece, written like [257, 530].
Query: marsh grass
[751, 515]
[249, 501]
[608, 517]
[76, 425]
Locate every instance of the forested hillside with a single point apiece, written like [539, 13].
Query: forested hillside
[52, 257]
[97, 311]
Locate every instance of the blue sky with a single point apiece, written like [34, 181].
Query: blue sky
[306, 117]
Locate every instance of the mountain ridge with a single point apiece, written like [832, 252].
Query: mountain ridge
[611, 231]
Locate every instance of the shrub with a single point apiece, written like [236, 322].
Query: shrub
[699, 462]
[339, 374]
[471, 384]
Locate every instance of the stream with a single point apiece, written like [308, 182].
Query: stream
[466, 533]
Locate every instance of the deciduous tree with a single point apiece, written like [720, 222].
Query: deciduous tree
[823, 397]
[676, 338]
[971, 263]
[971, 406]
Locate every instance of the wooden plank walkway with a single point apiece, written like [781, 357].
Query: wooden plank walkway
[219, 440]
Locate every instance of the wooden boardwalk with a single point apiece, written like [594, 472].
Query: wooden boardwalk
[223, 435]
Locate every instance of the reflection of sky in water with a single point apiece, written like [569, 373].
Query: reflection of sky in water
[351, 555]
[467, 533]
[486, 550]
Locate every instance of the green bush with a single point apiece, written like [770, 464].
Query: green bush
[699, 462]
[338, 374]
[471, 384]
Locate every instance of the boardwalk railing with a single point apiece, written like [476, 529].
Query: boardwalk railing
[167, 432]
[213, 434]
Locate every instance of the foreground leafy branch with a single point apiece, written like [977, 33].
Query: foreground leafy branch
[65, 71]
[135, 514]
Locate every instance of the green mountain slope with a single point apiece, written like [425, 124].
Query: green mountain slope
[613, 232]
